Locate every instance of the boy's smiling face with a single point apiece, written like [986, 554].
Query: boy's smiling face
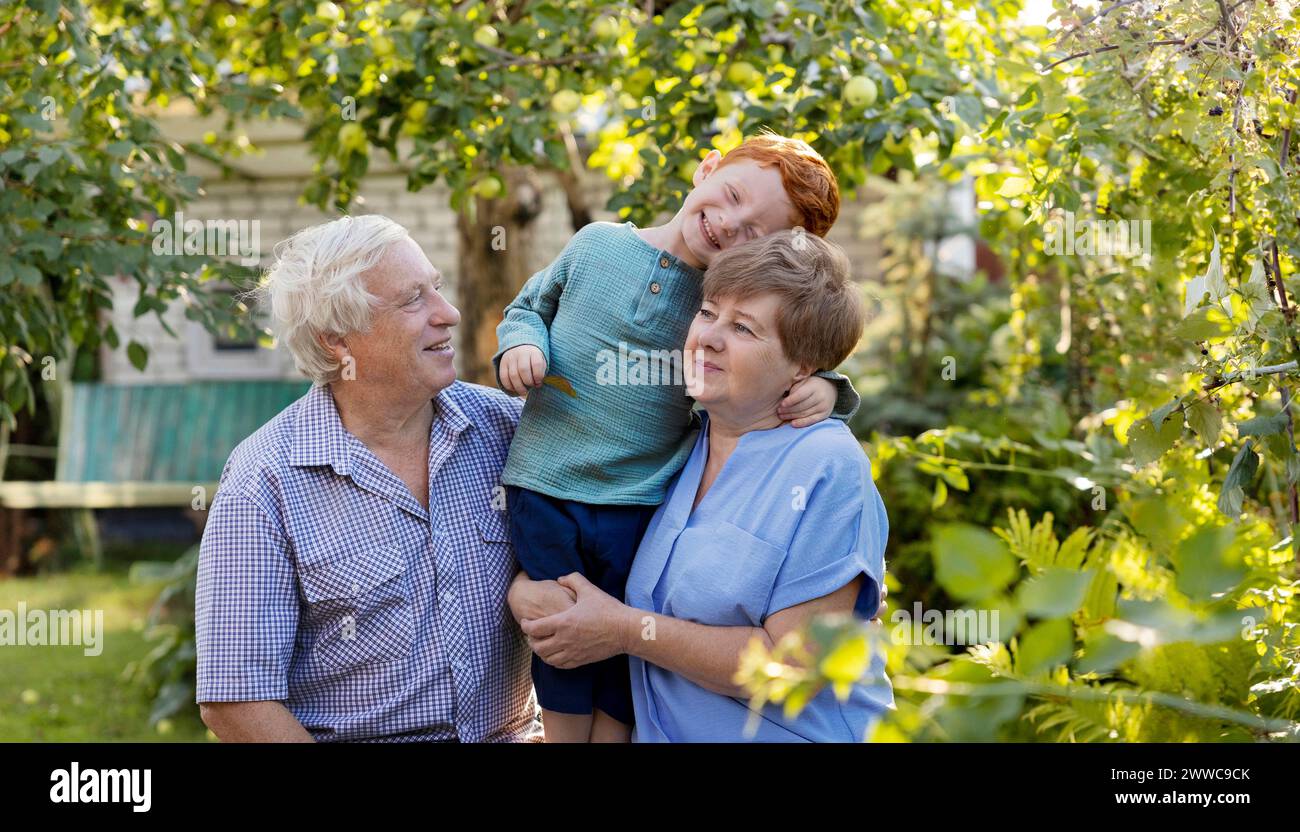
[733, 204]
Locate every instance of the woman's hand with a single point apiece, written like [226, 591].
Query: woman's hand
[530, 599]
[809, 401]
[593, 629]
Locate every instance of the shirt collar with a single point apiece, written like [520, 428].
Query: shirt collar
[319, 437]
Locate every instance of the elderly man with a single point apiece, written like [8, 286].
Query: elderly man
[354, 569]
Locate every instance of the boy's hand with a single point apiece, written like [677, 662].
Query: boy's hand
[808, 402]
[524, 367]
[531, 600]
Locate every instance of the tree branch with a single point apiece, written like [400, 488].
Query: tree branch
[1109, 48]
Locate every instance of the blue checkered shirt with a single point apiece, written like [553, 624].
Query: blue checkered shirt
[325, 585]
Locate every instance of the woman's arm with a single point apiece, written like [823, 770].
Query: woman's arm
[599, 626]
[710, 656]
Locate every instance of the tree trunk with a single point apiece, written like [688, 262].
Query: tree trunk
[495, 246]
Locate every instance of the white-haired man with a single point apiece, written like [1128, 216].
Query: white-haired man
[354, 569]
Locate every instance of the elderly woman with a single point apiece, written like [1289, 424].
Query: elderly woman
[353, 572]
[764, 528]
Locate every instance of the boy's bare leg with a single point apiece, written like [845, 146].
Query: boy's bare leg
[566, 727]
[604, 728]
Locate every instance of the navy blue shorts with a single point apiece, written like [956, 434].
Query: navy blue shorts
[553, 538]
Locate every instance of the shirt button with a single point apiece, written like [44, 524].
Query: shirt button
[663, 262]
[654, 288]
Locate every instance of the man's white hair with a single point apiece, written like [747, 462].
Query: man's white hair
[314, 287]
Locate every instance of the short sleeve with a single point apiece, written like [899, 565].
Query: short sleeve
[246, 606]
[840, 535]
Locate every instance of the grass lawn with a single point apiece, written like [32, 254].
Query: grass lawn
[60, 694]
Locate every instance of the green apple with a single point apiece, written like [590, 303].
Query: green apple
[488, 187]
[415, 115]
[743, 74]
[605, 28]
[328, 11]
[860, 91]
[565, 102]
[381, 46]
[638, 81]
[487, 37]
[352, 136]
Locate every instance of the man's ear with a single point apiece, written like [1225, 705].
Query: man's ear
[706, 167]
[333, 344]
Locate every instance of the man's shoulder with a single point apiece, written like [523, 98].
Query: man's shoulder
[264, 453]
[486, 405]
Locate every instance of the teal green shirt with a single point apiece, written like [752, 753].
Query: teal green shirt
[611, 315]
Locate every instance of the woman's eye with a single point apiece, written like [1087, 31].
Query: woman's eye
[734, 198]
[704, 313]
[742, 328]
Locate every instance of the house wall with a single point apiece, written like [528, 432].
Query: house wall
[431, 223]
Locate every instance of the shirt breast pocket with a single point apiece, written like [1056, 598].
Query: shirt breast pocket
[723, 576]
[498, 553]
[360, 608]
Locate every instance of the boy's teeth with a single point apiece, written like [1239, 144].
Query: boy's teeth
[708, 230]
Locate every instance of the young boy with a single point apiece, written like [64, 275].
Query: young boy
[598, 442]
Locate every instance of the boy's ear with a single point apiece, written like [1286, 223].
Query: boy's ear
[706, 167]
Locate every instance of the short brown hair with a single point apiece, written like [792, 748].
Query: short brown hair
[821, 314]
[809, 182]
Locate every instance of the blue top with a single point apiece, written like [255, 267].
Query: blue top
[792, 516]
[610, 315]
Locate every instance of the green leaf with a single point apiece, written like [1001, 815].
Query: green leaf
[138, 355]
[1207, 563]
[1149, 443]
[1053, 593]
[1103, 652]
[940, 495]
[1240, 474]
[1014, 186]
[1204, 418]
[956, 477]
[970, 562]
[848, 661]
[1205, 324]
[1158, 415]
[1263, 425]
[1045, 645]
[27, 274]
